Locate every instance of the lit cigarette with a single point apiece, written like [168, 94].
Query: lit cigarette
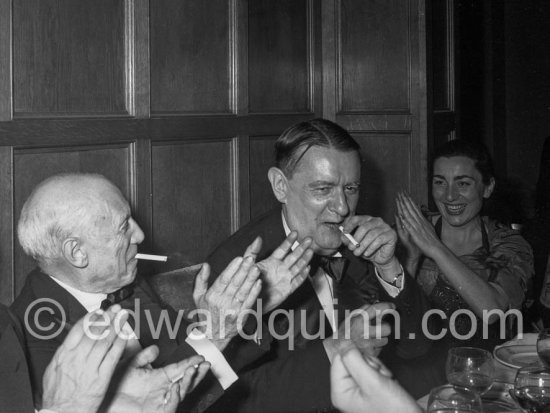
[150, 257]
[349, 236]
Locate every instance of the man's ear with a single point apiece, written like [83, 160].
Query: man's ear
[489, 188]
[74, 252]
[279, 184]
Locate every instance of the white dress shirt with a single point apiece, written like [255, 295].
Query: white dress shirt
[197, 340]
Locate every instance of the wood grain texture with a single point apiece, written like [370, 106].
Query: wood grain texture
[141, 61]
[262, 157]
[5, 60]
[442, 56]
[33, 165]
[190, 63]
[243, 166]
[86, 131]
[374, 56]
[279, 70]
[192, 195]
[6, 226]
[69, 58]
[385, 170]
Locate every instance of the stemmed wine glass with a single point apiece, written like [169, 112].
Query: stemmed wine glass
[532, 389]
[543, 347]
[453, 399]
[470, 367]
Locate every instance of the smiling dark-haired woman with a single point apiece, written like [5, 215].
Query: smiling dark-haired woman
[463, 261]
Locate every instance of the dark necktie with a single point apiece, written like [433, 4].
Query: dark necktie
[334, 267]
[117, 296]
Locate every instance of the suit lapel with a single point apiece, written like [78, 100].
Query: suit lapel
[43, 286]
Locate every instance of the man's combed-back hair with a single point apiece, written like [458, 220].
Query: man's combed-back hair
[295, 141]
[45, 222]
[476, 151]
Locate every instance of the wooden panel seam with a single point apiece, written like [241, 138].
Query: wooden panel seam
[129, 55]
[7, 226]
[234, 185]
[142, 70]
[6, 58]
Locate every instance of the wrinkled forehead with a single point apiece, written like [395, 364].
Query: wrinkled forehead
[110, 203]
[95, 197]
[325, 161]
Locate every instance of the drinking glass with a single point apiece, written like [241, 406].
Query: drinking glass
[532, 389]
[470, 367]
[543, 347]
[453, 399]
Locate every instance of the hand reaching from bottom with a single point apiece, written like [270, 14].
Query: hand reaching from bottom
[364, 385]
[80, 371]
[137, 387]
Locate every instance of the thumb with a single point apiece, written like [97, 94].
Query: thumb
[201, 282]
[362, 371]
[172, 398]
[254, 249]
[340, 381]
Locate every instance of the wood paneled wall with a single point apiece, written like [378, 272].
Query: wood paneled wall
[375, 86]
[443, 96]
[179, 103]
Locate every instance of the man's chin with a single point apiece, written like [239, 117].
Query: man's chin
[327, 248]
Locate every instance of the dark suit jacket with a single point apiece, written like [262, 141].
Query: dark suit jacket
[15, 385]
[41, 350]
[298, 380]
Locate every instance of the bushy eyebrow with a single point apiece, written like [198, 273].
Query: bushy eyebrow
[316, 183]
[329, 183]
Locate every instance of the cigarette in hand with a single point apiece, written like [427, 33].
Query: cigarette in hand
[349, 236]
[150, 257]
[180, 376]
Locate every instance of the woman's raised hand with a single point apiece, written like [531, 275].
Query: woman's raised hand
[414, 230]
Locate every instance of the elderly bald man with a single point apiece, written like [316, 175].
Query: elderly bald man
[79, 230]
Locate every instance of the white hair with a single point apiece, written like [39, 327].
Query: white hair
[58, 208]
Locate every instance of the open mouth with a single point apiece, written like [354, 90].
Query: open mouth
[455, 209]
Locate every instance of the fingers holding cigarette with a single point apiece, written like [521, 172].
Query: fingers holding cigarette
[348, 236]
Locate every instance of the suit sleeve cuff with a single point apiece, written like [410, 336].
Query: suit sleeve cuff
[392, 290]
[219, 365]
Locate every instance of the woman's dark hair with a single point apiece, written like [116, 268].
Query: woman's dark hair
[315, 132]
[476, 151]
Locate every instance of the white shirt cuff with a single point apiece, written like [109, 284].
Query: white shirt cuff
[392, 290]
[219, 365]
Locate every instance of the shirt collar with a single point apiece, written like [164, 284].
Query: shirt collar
[90, 301]
[296, 243]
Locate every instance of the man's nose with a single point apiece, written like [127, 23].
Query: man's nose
[137, 234]
[339, 203]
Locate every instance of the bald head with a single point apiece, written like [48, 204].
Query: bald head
[63, 206]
